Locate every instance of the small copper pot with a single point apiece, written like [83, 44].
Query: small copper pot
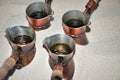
[61, 49]
[22, 40]
[39, 14]
[74, 25]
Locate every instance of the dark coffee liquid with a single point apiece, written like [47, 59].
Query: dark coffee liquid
[74, 23]
[38, 15]
[22, 39]
[61, 49]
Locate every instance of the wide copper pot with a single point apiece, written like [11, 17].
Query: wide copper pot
[61, 49]
[77, 27]
[36, 19]
[22, 40]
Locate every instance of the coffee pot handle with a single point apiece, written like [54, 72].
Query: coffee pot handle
[57, 73]
[96, 1]
[90, 6]
[48, 2]
[8, 64]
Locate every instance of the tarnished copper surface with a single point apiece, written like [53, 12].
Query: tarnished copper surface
[78, 34]
[39, 24]
[25, 59]
[81, 39]
[26, 52]
[73, 31]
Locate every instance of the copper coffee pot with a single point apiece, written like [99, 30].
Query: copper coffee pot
[75, 22]
[39, 14]
[22, 40]
[61, 49]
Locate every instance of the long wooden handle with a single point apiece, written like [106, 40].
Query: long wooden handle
[92, 3]
[90, 6]
[48, 2]
[96, 1]
[57, 73]
[7, 65]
